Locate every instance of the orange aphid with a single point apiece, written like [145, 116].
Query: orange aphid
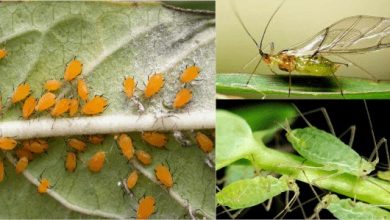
[189, 74]
[73, 70]
[21, 92]
[61, 107]
[154, 138]
[183, 97]
[126, 145]
[21, 165]
[52, 85]
[204, 142]
[46, 101]
[96, 139]
[95, 106]
[132, 179]
[71, 162]
[129, 85]
[3, 53]
[37, 146]
[24, 152]
[44, 185]
[7, 143]
[164, 175]
[1, 170]
[145, 207]
[82, 89]
[77, 144]
[144, 157]
[28, 107]
[95, 164]
[154, 85]
[73, 107]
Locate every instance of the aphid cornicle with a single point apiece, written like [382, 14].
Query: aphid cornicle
[71, 162]
[76, 144]
[21, 165]
[189, 74]
[144, 157]
[45, 102]
[338, 39]
[129, 85]
[60, 107]
[126, 145]
[73, 107]
[28, 107]
[155, 138]
[7, 143]
[95, 164]
[72, 70]
[204, 142]
[21, 92]
[3, 53]
[164, 175]
[94, 106]
[154, 84]
[44, 185]
[132, 179]
[82, 89]
[183, 97]
[145, 207]
[52, 85]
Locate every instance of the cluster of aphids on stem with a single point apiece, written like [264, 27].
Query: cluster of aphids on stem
[58, 107]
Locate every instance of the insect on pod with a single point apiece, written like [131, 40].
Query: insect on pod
[164, 175]
[129, 85]
[94, 106]
[45, 102]
[60, 107]
[338, 39]
[189, 74]
[144, 157]
[71, 162]
[95, 164]
[132, 180]
[154, 84]
[44, 185]
[21, 165]
[37, 146]
[73, 107]
[1, 171]
[28, 107]
[7, 143]
[348, 209]
[183, 97]
[155, 139]
[21, 92]
[3, 53]
[73, 70]
[96, 139]
[204, 142]
[82, 89]
[77, 144]
[126, 145]
[145, 207]
[24, 152]
[52, 85]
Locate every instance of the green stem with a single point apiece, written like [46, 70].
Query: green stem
[368, 189]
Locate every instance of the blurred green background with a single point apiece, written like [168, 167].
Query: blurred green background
[296, 21]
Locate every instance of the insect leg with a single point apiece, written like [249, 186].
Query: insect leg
[352, 129]
[254, 70]
[289, 83]
[338, 84]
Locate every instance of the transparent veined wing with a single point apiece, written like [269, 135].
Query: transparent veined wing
[357, 34]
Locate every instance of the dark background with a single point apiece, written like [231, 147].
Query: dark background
[343, 114]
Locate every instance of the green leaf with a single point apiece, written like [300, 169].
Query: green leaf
[265, 86]
[112, 40]
[241, 169]
[234, 140]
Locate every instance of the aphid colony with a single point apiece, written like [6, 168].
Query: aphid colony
[27, 150]
[59, 107]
